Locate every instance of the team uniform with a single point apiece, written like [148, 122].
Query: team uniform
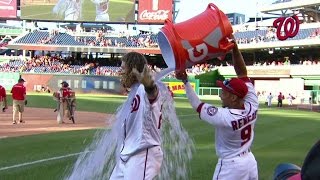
[140, 151]
[269, 100]
[65, 93]
[71, 9]
[102, 8]
[234, 135]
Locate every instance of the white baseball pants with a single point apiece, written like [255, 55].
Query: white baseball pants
[242, 167]
[144, 165]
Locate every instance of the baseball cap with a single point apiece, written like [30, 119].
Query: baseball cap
[235, 86]
[21, 80]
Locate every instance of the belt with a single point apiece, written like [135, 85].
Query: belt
[244, 152]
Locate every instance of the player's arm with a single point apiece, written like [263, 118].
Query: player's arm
[191, 94]
[238, 61]
[207, 112]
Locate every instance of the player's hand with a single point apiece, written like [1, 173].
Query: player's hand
[182, 75]
[25, 102]
[145, 77]
[234, 41]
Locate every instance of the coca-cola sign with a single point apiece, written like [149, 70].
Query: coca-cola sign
[154, 16]
[154, 11]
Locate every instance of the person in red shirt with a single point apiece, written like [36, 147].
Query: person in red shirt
[66, 101]
[19, 100]
[3, 99]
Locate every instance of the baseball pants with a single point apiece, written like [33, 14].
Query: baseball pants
[242, 167]
[144, 165]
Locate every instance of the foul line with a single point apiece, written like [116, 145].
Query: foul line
[40, 161]
[58, 157]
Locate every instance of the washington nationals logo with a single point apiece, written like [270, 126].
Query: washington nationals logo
[135, 103]
[211, 111]
[290, 26]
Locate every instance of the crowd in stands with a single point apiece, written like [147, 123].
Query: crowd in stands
[57, 64]
[315, 33]
[103, 40]
[69, 65]
[4, 41]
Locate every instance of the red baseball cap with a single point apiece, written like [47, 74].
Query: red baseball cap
[235, 86]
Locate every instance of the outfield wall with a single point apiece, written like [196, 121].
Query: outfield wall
[91, 84]
[79, 83]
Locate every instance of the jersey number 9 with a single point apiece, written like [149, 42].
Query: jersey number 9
[246, 134]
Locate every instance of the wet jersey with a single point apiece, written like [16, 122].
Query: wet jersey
[141, 122]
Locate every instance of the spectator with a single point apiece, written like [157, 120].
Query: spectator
[19, 100]
[3, 99]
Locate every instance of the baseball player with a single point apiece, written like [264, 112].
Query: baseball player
[269, 99]
[19, 100]
[234, 122]
[140, 151]
[65, 104]
[102, 7]
[3, 99]
[70, 9]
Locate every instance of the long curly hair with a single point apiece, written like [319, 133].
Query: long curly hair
[131, 60]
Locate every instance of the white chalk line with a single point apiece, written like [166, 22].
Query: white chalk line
[57, 157]
[40, 161]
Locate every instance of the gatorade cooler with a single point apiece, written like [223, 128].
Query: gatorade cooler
[196, 40]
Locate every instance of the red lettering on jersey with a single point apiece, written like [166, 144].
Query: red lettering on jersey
[234, 125]
[237, 124]
[135, 103]
[246, 134]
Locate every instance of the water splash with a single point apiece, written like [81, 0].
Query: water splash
[100, 157]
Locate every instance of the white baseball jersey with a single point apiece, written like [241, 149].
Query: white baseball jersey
[141, 123]
[102, 11]
[73, 10]
[233, 127]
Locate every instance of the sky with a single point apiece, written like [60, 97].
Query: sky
[190, 8]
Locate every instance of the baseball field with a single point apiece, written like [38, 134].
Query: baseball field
[281, 135]
[119, 10]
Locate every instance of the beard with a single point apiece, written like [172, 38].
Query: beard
[127, 80]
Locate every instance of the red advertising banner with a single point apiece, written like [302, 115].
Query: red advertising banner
[154, 11]
[8, 8]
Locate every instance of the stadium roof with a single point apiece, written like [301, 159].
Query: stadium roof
[90, 25]
[294, 4]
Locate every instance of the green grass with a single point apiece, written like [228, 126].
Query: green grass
[118, 10]
[280, 136]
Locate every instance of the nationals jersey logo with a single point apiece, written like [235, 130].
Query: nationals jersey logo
[290, 26]
[211, 111]
[135, 103]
